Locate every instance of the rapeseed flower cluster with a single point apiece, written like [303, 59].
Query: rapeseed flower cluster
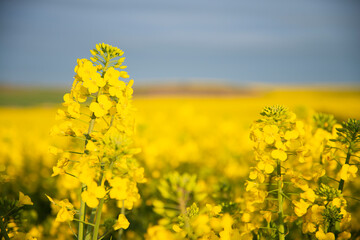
[328, 217]
[99, 120]
[304, 158]
[279, 146]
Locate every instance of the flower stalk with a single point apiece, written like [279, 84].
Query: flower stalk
[83, 187]
[281, 228]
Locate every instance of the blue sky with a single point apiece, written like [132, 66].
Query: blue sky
[232, 41]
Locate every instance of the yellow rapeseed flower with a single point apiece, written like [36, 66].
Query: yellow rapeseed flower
[119, 188]
[348, 172]
[309, 194]
[320, 235]
[112, 76]
[290, 135]
[24, 199]
[279, 154]
[66, 213]
[121, 222]
[300, 207]
[270, 133]
[101, 107]
[91, 195]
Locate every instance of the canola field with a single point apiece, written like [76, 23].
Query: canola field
[201, 143]
[106, 165]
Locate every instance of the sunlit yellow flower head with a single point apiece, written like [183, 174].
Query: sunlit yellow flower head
[98, 114]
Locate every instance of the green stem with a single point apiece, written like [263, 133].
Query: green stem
[72, 229]
[97, 219]
[331, 178]
[83, 186]
[3, 230]
[90, 227]
[82, 215]
[99, 207]
[281, 228]
[87, 223]
[74, 152]
[9, 212]
[122, 212]
[105, 235]
[348, 155]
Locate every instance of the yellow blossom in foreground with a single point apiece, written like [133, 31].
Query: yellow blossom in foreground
[320, 235]
[119, 188]
[308, 227]
[57, 171]
[91, 146]
[300, 207]
[122, 222]
[309, 194]
[316, 213]
[266, 166]
[250, 185]
[348, 171]
[91, 195]
[267, 215]
[291, 135]
[101, 107]
[66, 213]
[336, 202]
[279, 154]
[112, 76]
[270, 131]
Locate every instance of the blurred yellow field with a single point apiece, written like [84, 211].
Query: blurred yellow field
[206, 137]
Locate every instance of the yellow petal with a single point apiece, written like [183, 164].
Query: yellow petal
[269, 168]
[100, 192]
[291, 135]
[90, 199]
[24, 199]
[344, 172]
[269, 139]
[271, 129]
[353, 169]
[91, 146]
[64, 215]
[253, 175]
[246, 217]
[279, 154]
[57, 171]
